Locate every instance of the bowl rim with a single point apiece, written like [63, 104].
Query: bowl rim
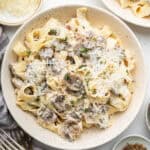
[129, 136]
[7, 23]
[125, 18]
[146, 116]
[75, 5]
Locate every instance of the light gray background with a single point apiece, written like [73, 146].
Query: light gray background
[138, 125]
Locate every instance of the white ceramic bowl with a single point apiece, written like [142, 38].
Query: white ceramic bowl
[132, 139]
[93, 137]
[126, 14]
[10, 20]
[147, 116]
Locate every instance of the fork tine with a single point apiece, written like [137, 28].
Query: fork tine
[14, 136]
[2, 148]
[10, 140]
[25, 141]
[5, 145]
[5, 141]
[21, 138]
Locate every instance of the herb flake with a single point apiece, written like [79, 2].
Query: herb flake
[67, 77]
[28, 52]
[86, 110]
[52, 32]
[63, 40]
[84, 50]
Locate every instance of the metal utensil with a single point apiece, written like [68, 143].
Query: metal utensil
[7, 143]
[22, 138]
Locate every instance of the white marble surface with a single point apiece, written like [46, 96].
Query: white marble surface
[138, 125]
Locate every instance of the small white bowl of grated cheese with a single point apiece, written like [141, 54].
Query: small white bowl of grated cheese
[15, 12]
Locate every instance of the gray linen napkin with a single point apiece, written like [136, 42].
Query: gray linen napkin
[6, 121]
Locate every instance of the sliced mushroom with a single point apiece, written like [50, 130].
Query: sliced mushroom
[97, 115]
[74, 116]
[58, 101]
[46, 114]
[74, 84]
[71, 130]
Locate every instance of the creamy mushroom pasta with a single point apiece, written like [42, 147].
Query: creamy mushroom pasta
[141, 8]
[72, 76]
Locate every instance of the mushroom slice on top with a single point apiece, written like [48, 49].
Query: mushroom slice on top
[97, 115]
[74, 84]
[46, 114]
[58, 103]
[70, 130]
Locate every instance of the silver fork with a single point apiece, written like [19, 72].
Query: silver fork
[7, 143]
[22, 138]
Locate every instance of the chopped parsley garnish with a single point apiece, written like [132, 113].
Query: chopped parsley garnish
[67, 77]
[28, 52]
[63, 40]
[72, 103]
[84, 50]
[86, 110]
[94, 91]
[52, 32]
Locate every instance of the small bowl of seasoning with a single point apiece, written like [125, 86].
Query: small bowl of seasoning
[16, 12]
[135, 146]
[133, 142]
